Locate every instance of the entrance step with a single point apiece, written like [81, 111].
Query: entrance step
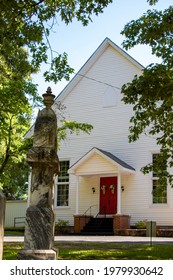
[98, 226]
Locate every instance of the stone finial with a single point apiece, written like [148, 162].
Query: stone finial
[48, 98]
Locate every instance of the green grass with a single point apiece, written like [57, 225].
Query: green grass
[100, 251]
[19, 231]
[10, 250]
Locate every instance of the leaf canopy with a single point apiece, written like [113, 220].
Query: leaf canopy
[151, 93]
[24, 46]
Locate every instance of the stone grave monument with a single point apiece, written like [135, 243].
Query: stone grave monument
[2, 218]
[43, 158]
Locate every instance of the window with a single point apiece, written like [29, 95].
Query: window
[159, 184]
[63, 185]
[110, 98]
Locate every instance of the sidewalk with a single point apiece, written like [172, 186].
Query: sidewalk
[111, 239]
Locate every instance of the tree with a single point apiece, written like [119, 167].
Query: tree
[15, 181]
[151, 94]
[25, 29]
[29, 23]
[15, 115]
[14, 170]
[24, 46]
[14, 122]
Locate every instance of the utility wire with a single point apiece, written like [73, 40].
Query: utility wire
[97, 81]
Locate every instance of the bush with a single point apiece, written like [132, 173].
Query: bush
[141, 224]
[62, 227]
[62, 223]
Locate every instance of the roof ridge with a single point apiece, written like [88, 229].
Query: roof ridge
[98, 51]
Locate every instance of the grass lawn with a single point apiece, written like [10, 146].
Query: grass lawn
[14, 231]
[100, 251]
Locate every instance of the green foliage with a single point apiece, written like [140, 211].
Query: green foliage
[151, 93]
[141, 224]
[62, 223]
[13, 148]
[29, 23]
[155, 28]
[62, 227]
[14, 180]
[17, 95]
[152, 2]
[59, 69]
[24, 46]
[70, 127]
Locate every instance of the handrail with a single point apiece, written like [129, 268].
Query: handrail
[89, 208]
[18, 218]
[100, 212]
[85, 213]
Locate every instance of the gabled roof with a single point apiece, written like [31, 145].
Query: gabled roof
[117, 164]
[92, 59]
[117, 160]
[81, 73]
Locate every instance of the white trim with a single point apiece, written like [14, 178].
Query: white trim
[94, 173]
[72, 170]
[64, 159]
[119, 194]
[62, 183]
[62, 207]
[85, 68]
[155, 178]
[90, 62]
[77, 195]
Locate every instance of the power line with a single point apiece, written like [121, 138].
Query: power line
[97, 81]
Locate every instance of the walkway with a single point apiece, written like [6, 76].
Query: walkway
[111, 239]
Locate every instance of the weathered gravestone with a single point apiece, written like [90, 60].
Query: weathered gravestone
[39, 227]
[2, 218]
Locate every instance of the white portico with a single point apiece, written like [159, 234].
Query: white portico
[107, 171]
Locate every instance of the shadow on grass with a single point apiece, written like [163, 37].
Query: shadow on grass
[118, 252]
[100, 251]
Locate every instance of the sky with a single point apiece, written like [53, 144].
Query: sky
[80, 42]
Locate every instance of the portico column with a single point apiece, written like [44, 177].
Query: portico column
[77, 195]
[119, 195]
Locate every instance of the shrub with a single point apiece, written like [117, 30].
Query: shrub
[62, 227]
[62, 223]
[141, 224]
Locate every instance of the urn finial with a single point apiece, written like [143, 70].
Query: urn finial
[48, 98]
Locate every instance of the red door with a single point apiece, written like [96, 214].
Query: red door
[108, 195]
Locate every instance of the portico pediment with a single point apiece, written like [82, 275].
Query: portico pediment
[97, 161]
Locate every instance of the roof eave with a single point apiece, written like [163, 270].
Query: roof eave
[88, 64]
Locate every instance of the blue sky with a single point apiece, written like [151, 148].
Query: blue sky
[80, 42]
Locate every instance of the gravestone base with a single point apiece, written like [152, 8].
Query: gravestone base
[50, 254]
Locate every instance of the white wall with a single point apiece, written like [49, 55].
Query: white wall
[85, 103]
[14, 208]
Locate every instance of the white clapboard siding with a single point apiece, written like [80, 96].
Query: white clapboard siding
[14, 209]
[96, 164]
[88, 100]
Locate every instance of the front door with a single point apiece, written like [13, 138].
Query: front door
[108, 195]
